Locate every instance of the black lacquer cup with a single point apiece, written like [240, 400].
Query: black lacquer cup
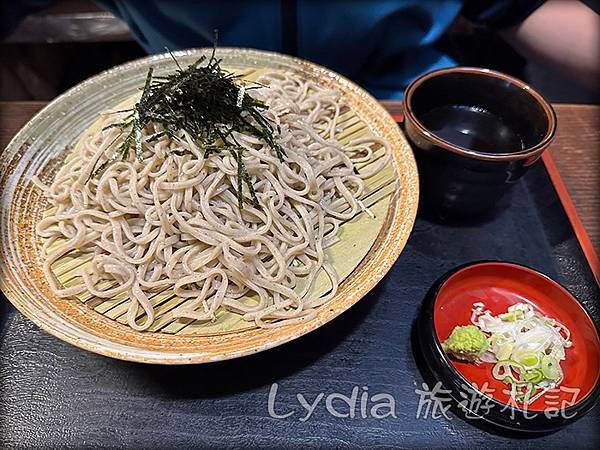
[474, 132]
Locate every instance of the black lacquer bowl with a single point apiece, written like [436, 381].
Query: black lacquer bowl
[474, 133]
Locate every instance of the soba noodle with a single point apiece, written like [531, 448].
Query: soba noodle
[172, 221]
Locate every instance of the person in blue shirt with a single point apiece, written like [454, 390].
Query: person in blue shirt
[381, 44]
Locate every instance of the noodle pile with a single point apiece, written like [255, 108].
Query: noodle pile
[172, 222]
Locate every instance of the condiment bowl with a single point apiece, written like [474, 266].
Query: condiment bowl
[499, 285]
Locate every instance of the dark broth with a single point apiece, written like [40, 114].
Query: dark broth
[472, 127]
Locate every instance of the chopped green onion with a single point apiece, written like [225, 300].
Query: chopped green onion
[533, 376]
[529, 360]
[551, 368]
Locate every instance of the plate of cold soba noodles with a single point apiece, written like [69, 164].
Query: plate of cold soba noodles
[202, 205]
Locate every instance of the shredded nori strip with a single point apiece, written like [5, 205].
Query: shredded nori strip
[207, 103]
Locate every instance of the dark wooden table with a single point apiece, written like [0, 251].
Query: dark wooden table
[576, 151]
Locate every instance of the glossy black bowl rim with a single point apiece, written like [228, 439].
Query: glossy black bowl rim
[533, 151]
[439, 361]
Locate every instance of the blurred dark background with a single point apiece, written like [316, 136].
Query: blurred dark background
[55, 48]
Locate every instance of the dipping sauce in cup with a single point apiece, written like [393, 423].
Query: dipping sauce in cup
[474, 132]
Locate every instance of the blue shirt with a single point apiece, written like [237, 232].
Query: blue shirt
[382, 45]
